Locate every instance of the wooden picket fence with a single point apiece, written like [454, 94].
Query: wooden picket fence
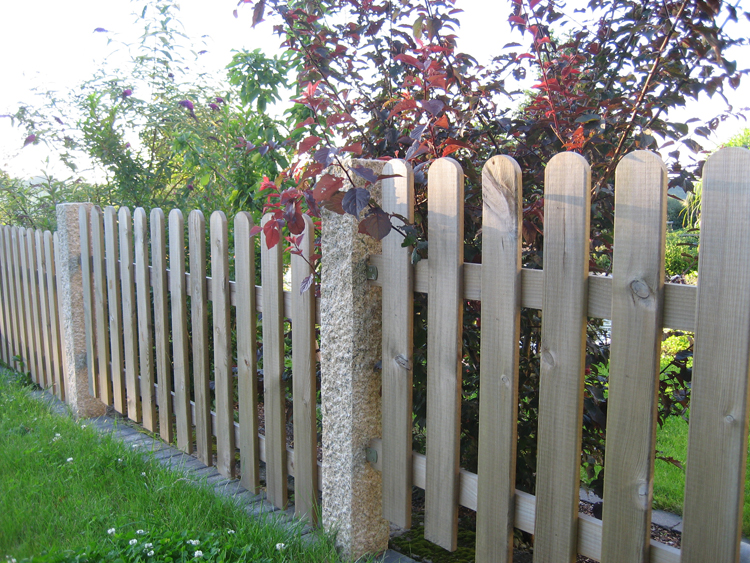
[639, 304]
[147, 353]
[149, 359]
[29, 317]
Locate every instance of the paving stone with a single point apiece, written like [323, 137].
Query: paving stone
[666, 520]
[391, 556]
[204, 473]
[230, 489]
[217, 479]
[166, 453]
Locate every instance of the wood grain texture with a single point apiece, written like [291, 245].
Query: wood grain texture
[679, 299]
[22, 299]
[50, 257]
[224, 387]
[101, 308]
[178, 301]
[35, 313]
[88, 300]
[271, 264]
[145, 320]
[304, 392]
[46, 349]
[717, 439]
[129, 321]
[635, 354]
[114, 302]
[566, 260]
[244, 273]
[7, 327]
[499, 352]
[444, 318]
[160, 284]
[13, 294]
[199, 328]
[398, 342]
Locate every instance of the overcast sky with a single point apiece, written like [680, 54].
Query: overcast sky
[51, 45]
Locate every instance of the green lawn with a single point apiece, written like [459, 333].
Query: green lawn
[66, 487]
[669, 481]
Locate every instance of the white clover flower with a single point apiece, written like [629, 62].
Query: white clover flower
[143, 473]
[280, 546]
[194, 542]
[83, 426]
[70, 459]
[133, 541]
[140, 532]
[199, 553]
[135, 446]
[150, 553]
[148, 545]
[111, 531]
[230, 531]
[119, 460]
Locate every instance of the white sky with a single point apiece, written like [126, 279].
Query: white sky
[51, 45]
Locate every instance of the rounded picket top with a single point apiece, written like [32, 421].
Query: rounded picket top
[502, 191]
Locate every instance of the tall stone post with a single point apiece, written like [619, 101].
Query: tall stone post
[70, 295]
[350, 346]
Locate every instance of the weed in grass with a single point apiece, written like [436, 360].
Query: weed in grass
[63, 487]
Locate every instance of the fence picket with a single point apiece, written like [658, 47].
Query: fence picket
[224, 382]
[244, 274]
[88, 305]
[7, 336]
[46, 349]
[28, 296]
[499, 353]
[15, 348]
[304, 393]
[178, 295]
[129, 321]
[273, 368]
[22, 299]
[100, 306]
[145, 323]
[50, 258]
[161, 324]
[398, 330]
[445, 206]
[566, 259]
[637, 305]
[34, 311]
[115, 312]
[199, 327]
[717, 439]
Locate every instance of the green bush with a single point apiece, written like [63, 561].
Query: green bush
[682, 253]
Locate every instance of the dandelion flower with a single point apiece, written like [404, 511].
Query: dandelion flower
[133, 541]
[111, 531]
[199, 553]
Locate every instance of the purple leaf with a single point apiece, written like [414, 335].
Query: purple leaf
[213, 106]
[220, 100]
[306, 284]
[186, 104]
[325, 155]
[432, 107]
[365, 173]
[418, 131]
[312, 205]
[355, 200]
[30, 139]
[100, 30]
[377, 224]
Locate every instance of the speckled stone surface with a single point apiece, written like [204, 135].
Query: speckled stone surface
[70, 295]
[350, 384]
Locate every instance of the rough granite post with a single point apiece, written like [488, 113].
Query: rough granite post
[350, 346]
[70, 295]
